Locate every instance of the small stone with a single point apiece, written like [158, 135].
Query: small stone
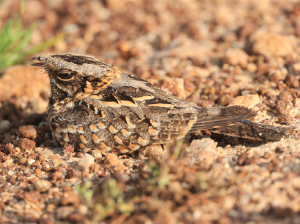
[291, 81]
[151, 151]
[86, 161]
[82, 209]
[266, 121]
[22, 160]
[236, 56]
[97, 154]
[26, 144]
[127, 164]
[226, 99]
[29, 132]
[70, 173]
[63, 212]
[50, 207]
[247, 101]
[58, 175]
[69, 197]
[112, 160]
[195, 97]
[79, 154]
[42, 185]
[75, 218]
[201, 151]
[242, 159]
[38, 172]
[279, 150]
[207, 103]
[221, 159]
[9, 148]
[271, 44]
[4, 125]
[32, 196]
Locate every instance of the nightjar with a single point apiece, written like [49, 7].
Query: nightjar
[94, 106]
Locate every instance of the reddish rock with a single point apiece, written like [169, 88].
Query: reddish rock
[69, 197]
[9, 148]
[26, 144]
[242, 159]
[75, 218]
[31, 132]
[32, 196]
[291, 81]
[225, 100]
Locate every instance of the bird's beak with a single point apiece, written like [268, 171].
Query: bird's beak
[37, 64]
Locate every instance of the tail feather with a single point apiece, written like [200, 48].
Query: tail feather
[215, 117]
[255, 131]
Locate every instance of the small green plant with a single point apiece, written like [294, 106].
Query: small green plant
[85, 191]
[14, 41]
[111, 201]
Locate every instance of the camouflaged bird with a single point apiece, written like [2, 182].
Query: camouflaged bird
[95, 106]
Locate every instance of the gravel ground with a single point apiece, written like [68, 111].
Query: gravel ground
[209, 52]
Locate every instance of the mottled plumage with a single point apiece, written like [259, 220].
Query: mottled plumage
[95, 106]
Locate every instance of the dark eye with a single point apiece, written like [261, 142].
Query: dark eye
[65, 76]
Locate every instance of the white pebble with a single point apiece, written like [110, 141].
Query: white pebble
[87, 160]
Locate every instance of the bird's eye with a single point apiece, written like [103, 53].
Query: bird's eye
[66, 76]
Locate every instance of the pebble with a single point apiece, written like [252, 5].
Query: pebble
[271, 44]
[4, 125]
[226, 99]
[86, 160]
[97, 154]
[79, 154]
[75, 218]
[112, 160]
[26, 144]
[29, 132]
[236, 56]
[201, 151]
[42, 185]
[247, 101]
[69, 197]
[63, 212]
[32, 196]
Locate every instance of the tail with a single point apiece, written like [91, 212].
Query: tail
[216, 117]
[255, 131]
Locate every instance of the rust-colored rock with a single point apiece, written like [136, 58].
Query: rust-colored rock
[9, 148]
[226, 99]
[69, 197]
[75, 218]
[292, 81]
[26, 144]
[32, 196]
